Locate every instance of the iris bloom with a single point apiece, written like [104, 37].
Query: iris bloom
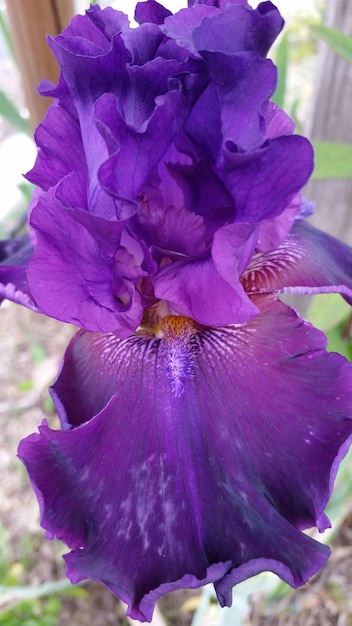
[202, 421]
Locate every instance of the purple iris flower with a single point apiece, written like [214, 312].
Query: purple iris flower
[203, 421]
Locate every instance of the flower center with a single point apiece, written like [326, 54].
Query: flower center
[177, 332]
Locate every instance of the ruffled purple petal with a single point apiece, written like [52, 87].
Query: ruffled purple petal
[85, 270]
[247, 81]
[308, 261]
[93, 57]
[263, 183]
[197, 457]
[143, 43]
[239, 28]
[272, 232]
[198, 290]
[150, 11]
[236, 28]
[56, 159]
[135, 153]
[174, 231]
[277, 122]
[203, 190]
[182, 25]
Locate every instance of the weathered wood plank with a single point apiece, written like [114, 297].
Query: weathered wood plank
[331, 120]
[30, 21]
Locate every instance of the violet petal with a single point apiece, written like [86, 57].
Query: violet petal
[199, 291]
[150, 11]
[76, 274]
[205, 472]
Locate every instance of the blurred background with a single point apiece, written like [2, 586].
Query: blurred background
[315, 88]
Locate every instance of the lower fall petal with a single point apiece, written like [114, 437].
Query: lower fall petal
[197, 457]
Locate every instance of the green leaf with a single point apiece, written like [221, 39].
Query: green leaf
[10, 596]
[7, 36]
[13, 595]
[332, 160]
[341, 43]
[281, 60]
[12, 115]
[326, 311]
[338, 342]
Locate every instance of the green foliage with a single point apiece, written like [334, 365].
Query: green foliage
[341, 498]
[7, 35]
[35, 613]
[281, 60]
[4, 553]
[27, 602]
[327, 310]
[332, 315]
[48, 405]
[332, 160]
[11, 114]
[38, 353]
[8, 109]
[341, 43]
[340, 339]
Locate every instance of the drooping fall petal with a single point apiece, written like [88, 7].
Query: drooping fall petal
[196, 457]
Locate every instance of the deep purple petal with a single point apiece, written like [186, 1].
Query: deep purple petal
[55, 137]
[277, 122]
[81, 268]
[226, 447]
[136, 153]
[236, 28]
[174, 230]
[204, 124]
[308, 261]
[143, 42]
[91, 34]
[272, 232]
[199, 291]
[150, 11]
[92, 63]
[230, 114]
[263, 183]
[244, 84]
[239, 28]
[232, 249]
[181, 26]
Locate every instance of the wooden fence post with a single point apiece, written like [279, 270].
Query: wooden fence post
[30, 21]
[331, 120]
